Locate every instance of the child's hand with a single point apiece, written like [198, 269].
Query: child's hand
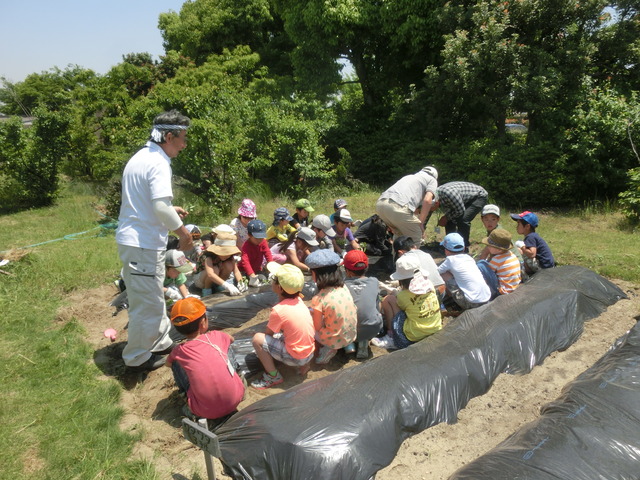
[173, 293]
[519, 244]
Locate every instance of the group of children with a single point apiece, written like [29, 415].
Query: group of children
[347, 312]
[501, 266]
[233, 257]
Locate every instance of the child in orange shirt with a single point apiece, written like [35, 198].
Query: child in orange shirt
[289, 334]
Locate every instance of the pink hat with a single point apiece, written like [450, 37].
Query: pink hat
[247, 209]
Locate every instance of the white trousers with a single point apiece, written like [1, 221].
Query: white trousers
[143, 271]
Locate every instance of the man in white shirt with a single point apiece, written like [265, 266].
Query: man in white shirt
[146, 216]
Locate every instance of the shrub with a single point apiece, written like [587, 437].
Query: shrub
[630, 199]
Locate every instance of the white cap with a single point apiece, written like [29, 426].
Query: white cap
[490, 208]
[344, 215]
[406, 267]
[431, 171]
[178, 260]
[222, 228]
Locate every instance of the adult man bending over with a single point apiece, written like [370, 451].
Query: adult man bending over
[460, 202]
[405, 206]
[146, 216]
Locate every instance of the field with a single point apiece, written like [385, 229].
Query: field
[69, 412]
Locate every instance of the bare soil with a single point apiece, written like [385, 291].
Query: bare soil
[152, 405]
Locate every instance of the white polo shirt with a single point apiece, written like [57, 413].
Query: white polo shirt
[146, 177]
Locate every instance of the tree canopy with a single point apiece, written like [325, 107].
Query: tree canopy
[431, 82]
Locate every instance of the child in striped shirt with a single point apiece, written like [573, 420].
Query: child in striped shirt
[503, 263]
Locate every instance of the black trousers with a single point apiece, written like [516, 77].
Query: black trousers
[462, 224]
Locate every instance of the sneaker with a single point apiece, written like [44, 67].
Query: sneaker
[363, 349]
[351, 348]
[267, 381]
[384, 342]
[155, 361]
[325, 354]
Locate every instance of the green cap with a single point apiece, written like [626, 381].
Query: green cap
[306, 204]
[290, 277]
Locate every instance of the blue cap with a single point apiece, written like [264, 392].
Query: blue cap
[526, 216]
[281, 213]
[322, 258]
[453, 242]
[257, 228]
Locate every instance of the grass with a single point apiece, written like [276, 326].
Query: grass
[57, 419]
[60, 419]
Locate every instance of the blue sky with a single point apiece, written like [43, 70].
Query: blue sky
[36, 35]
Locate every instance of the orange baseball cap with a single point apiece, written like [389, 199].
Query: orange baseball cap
[187, 310]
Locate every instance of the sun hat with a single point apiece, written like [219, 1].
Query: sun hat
[355, 260]
[177, 259]
[308, 235]
[453, 242]
[406, 267]
[526, 216]
[290, 277]
[322, 258]
[281, 213]
[223, 228]
[306, 204]
[224, 244]
[431, 171]
[490, 208]
[323, 223]
[499, 238]
[343, 215]
[257, 228]
[187, 310]
[247, 209]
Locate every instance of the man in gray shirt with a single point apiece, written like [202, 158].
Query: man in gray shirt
[405, 205]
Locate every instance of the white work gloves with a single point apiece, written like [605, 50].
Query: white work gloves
[173, 293]
[519, 244]
[231, 288]
[254, 281]
[242, 286]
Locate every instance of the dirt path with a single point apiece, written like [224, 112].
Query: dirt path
[152, 405]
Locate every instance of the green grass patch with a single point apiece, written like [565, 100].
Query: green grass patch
[57, 419]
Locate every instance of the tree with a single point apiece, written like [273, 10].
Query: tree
[206, 27]
[50, 89]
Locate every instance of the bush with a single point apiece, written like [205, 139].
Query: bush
[630, 199]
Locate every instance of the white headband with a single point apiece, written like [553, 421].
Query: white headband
[163, 126]
[158, 136]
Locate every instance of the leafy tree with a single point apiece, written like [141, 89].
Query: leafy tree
[50, 89]
[206, 27]
[617, 59]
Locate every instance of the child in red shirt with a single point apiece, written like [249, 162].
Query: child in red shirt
[255, 252]
[201, 366]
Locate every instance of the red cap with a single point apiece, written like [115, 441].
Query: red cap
[187, 310]
[355, 260]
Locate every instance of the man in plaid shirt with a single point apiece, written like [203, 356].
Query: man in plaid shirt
[460, 202]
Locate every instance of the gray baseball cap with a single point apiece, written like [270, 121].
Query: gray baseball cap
[323, 223]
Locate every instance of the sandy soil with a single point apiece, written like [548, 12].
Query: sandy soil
[152, 405]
